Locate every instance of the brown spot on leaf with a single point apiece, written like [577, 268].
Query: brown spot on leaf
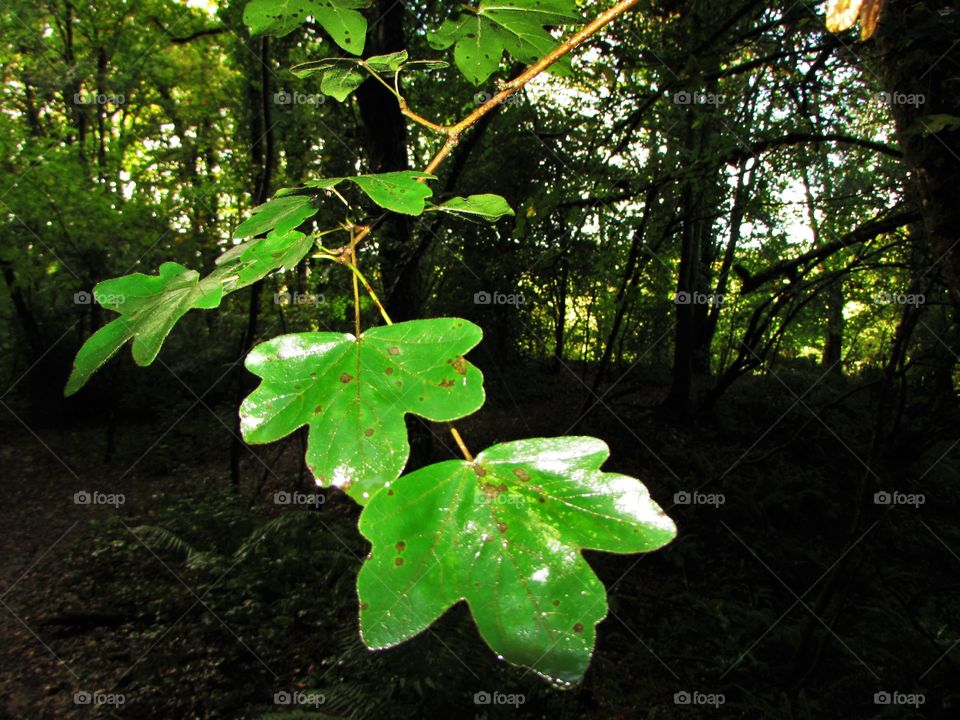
[502, 527]
[447, 383]
[398, 562]
[346, 377]
[480, 470]
[401, 546]
[390, 491]
[318, 409]
[393, 350]
[521, 474]
[460, 365]
[389, 371]
[398, 383]
[368, 432]
[364, 606]
[578, 628]
[556, 603]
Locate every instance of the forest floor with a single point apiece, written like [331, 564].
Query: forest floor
[787, 597]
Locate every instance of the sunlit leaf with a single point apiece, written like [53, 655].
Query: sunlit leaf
[281, 215]
[353, 395]
[249, 262]
[505, 533]
[339, 18]
[843, 14]
[517, 27]
[401, 191]
[489, 207]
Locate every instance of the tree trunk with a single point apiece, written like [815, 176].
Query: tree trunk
[385, 136]
[918, 57]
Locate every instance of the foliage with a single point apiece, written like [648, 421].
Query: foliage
[354, 390]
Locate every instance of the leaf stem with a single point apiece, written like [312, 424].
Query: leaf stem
[357, 275]
[462, 445]
[356, 305]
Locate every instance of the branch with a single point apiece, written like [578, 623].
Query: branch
[789, 267]
[798, 138]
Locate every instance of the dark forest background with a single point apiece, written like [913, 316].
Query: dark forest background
[735, 257]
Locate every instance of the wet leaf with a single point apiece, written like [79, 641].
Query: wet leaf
[353, 395]
[505, 533]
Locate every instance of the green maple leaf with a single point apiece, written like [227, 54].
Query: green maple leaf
[281, 214]
[401, 191]
[340, 82]
[339, 18]
[516, 27]
[340, 77]
[149, 307]
[505, 533]
[353, 395]
[244, 264]
[489, 207]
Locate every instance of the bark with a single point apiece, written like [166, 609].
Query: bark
[263, 155]
[918, 56]
[385, 137]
